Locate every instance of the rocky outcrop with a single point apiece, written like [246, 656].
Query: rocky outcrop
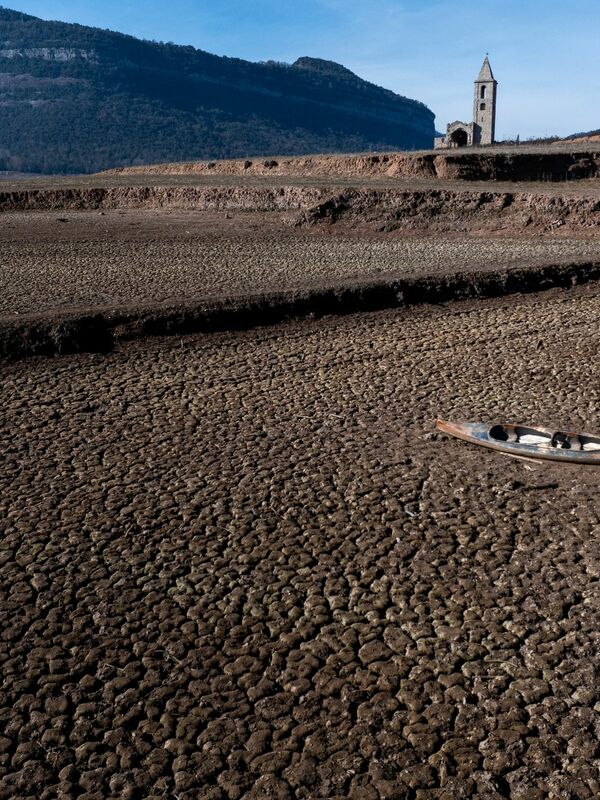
[49, 53]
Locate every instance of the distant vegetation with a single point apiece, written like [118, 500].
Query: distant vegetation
[532, 140]
[79, 99]
[539, 140]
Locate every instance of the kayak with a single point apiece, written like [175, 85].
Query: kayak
[525, 441]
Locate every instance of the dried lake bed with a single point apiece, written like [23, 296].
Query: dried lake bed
[243, 564]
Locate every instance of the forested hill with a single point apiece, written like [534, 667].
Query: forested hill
[80, 99]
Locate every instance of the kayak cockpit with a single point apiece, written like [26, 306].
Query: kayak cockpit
[576, 441]
[518, 434]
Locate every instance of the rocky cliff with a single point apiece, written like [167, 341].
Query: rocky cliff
[79, 99]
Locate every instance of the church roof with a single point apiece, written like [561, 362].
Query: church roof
[485, 74]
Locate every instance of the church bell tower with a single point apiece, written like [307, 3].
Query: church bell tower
[484, 106]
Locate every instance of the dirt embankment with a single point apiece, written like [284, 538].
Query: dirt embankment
[447, 211]
[206, 198]
[385, 209]
[75, 332]
[545, 164]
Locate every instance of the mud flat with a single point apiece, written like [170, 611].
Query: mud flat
[82, 280]
[245, 567]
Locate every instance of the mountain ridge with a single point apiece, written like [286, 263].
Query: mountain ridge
[81, 99]
[9, 14]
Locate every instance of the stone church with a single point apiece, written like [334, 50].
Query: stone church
[482, 130]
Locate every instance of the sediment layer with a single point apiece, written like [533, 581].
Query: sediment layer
[73, 332]
[201, 198]
[393, 209]
[509, 164]
[444, 210]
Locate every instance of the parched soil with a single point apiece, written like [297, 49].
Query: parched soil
[331, 182]
[79, 260]
[389, 208]
[559, 162]
[242, 566]
[80, 281]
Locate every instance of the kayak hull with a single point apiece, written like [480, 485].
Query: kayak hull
[526, 441]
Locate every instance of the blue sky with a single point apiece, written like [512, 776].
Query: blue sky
[545, 54]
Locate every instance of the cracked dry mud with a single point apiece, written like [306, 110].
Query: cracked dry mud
[243, 566]
[120, 259]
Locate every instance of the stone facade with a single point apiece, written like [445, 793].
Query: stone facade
[482, 131]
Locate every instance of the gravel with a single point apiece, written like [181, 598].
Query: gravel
[243, 565]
